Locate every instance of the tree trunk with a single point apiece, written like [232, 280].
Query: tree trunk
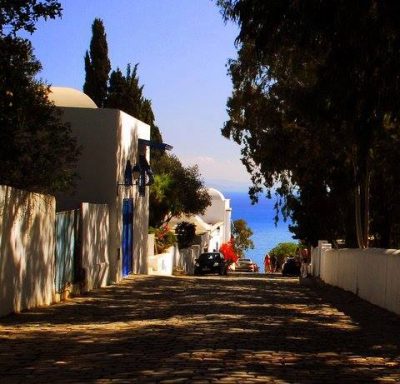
[366, 186]
[357, 212]
[361, 195]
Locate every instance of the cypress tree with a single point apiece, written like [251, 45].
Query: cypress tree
[97, 65]
[126, 93]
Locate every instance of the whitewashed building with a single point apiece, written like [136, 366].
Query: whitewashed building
[111, 142]
[219, 216]
[215, 222]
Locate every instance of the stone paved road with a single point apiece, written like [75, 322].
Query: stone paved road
[212, 329]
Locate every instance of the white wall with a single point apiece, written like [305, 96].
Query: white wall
[373, 274]
[109, 138]
[150, 244]
[316, 256]
[186, 259]
[219, 212]
[227, 221]
[95, 251]
[27, 244]
[128, 133]
[216, 211]
[162, 264]
[96, 132]
[174, 258]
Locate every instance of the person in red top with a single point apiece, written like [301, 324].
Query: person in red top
[267, 264]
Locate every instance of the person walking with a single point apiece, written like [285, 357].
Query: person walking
[267, 263]
[305, 260]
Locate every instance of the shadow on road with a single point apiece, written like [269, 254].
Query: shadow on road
[205, 329]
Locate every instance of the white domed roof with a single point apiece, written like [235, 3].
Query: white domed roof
[70, 97]
[215, 194]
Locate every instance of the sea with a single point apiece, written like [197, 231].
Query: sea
[260, 219]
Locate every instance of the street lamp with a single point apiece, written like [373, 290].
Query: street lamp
[141, 174]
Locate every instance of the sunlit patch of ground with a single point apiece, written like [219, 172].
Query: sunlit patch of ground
[233, 329]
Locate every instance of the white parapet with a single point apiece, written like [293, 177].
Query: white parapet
[372, 274]
[161, 264]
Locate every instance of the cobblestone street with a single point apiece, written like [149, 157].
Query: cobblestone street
[235, 329]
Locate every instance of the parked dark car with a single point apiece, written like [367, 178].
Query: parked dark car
[210, 262]
[291, 267]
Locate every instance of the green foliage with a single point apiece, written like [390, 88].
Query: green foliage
[177, 190]
[18, 15]
[97, 65]
[186, 233]
[315, 104]
[242, 234]
[126, 93]
[169, 239]
[283, 250]
[37, 151]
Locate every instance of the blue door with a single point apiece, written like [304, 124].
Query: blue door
[65, 244]
[68, 263]
[127, 236]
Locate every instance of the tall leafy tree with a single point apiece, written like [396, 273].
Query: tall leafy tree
[242, 237]
[177, 190]
[283, 250]
[23, 14]
[37, 151]
[315, 94]
[97, 65]
[147, 115]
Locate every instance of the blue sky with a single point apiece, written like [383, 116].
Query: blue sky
[182, 47]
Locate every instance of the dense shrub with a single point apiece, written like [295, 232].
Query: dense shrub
[185, 233]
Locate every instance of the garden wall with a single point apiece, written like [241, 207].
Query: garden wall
[174, 260]
[27, 243]
[186, 259]
[95, 245]
[28, 277]
[372, 274]
[163, 263]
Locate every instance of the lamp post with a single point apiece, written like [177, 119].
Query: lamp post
[141, 174]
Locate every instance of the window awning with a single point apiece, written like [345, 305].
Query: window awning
[155, 145]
